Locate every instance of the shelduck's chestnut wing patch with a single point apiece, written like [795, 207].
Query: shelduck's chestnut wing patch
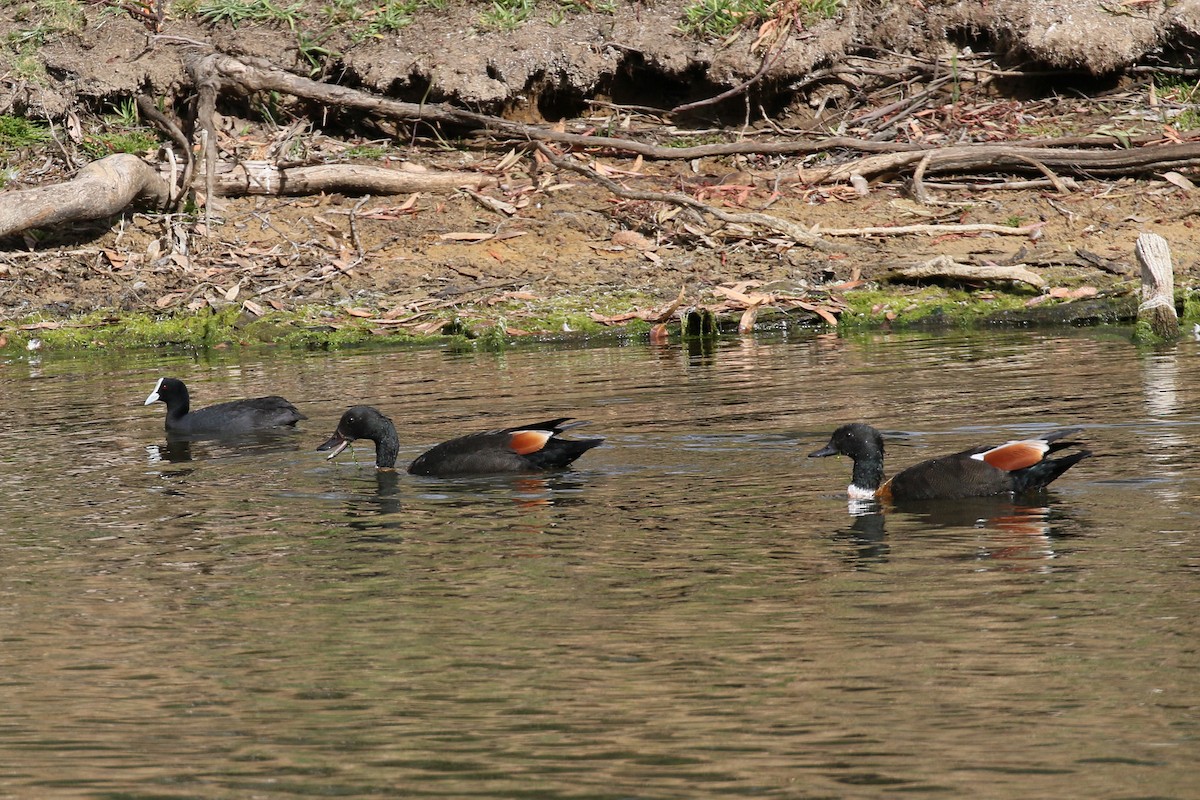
[1013, 456]
[525, 442]
[1011, 468]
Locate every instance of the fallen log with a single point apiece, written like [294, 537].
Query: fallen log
[263, 177]
[973, 158]
[101, 189]
[946, 268]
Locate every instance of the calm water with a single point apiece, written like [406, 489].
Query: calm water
[691, 612]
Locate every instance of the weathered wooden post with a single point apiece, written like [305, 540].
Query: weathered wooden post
[1157, 309]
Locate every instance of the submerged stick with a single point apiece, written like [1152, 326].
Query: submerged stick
[1157, 309]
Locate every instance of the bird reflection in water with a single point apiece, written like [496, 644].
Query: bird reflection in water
[1023, 531]
[179, 449]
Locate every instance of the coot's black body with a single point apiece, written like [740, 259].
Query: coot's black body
[234, 417]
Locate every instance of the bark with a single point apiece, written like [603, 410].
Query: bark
[101, 189]
[1158, 286]
[944, 267]
[260, 177]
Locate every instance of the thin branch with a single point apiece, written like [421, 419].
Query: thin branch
[789, 229]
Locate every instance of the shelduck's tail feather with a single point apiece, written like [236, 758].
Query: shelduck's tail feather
[1043, 474]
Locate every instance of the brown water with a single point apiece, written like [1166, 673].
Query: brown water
[692, 612]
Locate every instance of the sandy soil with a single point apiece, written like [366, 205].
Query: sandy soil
[566, 236]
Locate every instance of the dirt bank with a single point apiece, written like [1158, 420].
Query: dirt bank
[542, 247]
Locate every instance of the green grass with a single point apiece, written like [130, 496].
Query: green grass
[506, 15]
[1176, 88]
[937, 305]
[42, 19]
[372, 152]
[99, 145]
[236, 12]
[18, 133]
[718, 19]
[1187, 120]
[37, 22]
[119, 131]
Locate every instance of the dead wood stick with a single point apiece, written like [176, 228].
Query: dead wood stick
[1059, 186]
[262, 177]
[254, 75]
[918, 185]
[994, 158]
[101, 189]
[768, 59]
[947, 268]
[1041, 183]
[149, 111]
[931, 230]
[790, 229]
[1158, 286]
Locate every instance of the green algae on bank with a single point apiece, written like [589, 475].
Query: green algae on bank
[561, 319]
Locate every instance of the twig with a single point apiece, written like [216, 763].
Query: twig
[918, 188]
[790, 229]
[354, 226]
[1069, 183]
[1059, 186]
[768, 59]
[933, 230]
[149, 111]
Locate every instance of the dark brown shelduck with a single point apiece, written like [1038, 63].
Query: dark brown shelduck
[1010, 468]
[523, 448]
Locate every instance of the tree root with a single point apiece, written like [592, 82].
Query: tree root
[101, 189]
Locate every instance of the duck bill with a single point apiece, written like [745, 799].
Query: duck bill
[337, 443]
[827, 450]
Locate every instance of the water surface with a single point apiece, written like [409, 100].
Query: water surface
[692, 611]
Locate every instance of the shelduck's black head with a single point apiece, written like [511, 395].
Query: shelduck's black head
[857, 440]
[365, 422]
[172, 392]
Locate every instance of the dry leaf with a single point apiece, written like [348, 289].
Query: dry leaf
[252, 307]
[358, 312]
[632, 239]
[429, 327]
[668, 312]
[511, 158]
[491, 203]
[466, 236]
[826, 313]
[232, 294]
[738, 297]
[167, 299]
[614, 319]
[746, 323]
[660, 333]
[1179, 180]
